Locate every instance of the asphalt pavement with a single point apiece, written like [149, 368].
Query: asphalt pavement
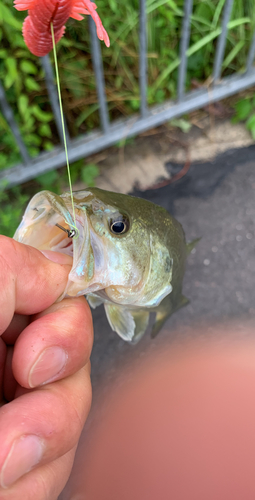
[214, 201]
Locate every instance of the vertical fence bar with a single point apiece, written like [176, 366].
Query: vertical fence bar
[220, 50]
[53, 96]
[143, 59]
[98, 69]
[251, 55]
[183, 48]
[8, 114]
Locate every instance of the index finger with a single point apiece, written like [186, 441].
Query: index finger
[29, 282]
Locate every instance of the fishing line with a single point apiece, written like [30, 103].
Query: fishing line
[63, 126]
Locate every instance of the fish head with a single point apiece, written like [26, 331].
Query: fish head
[120, 248]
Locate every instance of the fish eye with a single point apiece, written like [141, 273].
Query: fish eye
[119, 225]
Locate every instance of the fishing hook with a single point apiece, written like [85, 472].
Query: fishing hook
[70, 232]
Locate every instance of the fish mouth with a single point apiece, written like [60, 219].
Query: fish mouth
[48, 224]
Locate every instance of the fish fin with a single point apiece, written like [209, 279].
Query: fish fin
[121, 321]
[130, 325]
[141, 318]
[93, 300]
[164, 311]
[192, 244]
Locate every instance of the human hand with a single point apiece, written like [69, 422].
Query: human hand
[48, 395]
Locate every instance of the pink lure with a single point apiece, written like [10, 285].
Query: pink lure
[41, 13]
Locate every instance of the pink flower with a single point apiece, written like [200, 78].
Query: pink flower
[41, 13]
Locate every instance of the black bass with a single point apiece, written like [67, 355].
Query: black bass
[128, 253]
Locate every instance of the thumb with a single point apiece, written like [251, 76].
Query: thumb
[29, 281]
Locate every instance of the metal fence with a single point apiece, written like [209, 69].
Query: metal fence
[111, 132]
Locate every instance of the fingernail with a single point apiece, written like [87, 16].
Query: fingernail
[25, 453]
[47, 366]
[59, 258]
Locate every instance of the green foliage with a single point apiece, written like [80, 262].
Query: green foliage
[49, 181]
[24, 82]
[57, 181]
[12, 204]
[250, 124]
[181, 123]
[245, 111]
[14, 201]
[89, 173]
[7, 15]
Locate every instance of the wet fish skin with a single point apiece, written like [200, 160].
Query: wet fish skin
[132, 273]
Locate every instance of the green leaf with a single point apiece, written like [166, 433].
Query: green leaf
[41, 115]
[45, 130]
[23, 104]
[135, 104]
[48, 179]
[194, 48]
[48, 145]
[157, 3]
[33, 151]
[243, 109]
[204, 12]
[28, 126]
[3, 123]
[28, 67]
[12, 74]
[217, 12]
[21, 53]
[85, 114]
[32, 140]
[160, 95]
[233, 53]
[203, 41]
[250, 125]
[238, 22]
[89, 174]
[183, 124]
[253, 133]
[7, 17]
[31, 84]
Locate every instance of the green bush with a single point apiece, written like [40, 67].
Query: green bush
[245, 111]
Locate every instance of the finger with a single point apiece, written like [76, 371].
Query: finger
[29, 281]
[55, 345]
[43, 425]
[9, 382]
[43, 483]
[3, 351]
[16, 326]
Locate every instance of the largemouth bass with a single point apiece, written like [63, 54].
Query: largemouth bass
[128, 254]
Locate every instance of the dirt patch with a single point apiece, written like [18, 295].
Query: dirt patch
[142, 161]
